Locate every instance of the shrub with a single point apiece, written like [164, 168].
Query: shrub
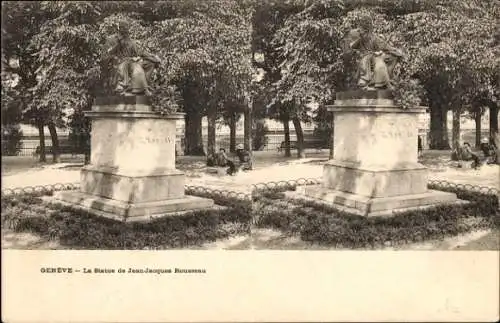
[320, 223]
[80, 229]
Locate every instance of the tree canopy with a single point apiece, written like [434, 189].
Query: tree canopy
[210, 52]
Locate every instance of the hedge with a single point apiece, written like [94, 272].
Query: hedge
[323, 224]
[79, 229]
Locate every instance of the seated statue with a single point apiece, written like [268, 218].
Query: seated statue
[129, 68]
[378, 58]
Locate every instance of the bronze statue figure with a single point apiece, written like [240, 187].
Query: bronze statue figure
[129, 68]
[378, 58]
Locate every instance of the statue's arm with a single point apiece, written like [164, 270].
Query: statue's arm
[110, 47]
[354, 44]
[150, 57]
[146, 54]
[353, 39]
[383, 45]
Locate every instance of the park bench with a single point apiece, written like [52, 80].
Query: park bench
[215, 170]
[464, 164]
[309, 143]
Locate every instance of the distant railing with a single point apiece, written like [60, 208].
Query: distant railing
[273, 142]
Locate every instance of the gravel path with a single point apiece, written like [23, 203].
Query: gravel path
[487, 175]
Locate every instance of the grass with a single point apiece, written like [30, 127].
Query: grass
[490, 241]
[78, 229]
[322, 224]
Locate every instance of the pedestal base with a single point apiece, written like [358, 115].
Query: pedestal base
[132, 185]
[376, 206]
[375, 181]
[119, 210]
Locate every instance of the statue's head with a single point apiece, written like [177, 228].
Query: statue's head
[123, 28]
[366, 24]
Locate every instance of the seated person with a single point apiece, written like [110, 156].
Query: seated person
[220, 159]
[211, 160]
[489, 151]
[467, 155]
[244, 158]
[224, 161]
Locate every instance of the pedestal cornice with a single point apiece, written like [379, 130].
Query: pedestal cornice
[370, 107]
[373, 101]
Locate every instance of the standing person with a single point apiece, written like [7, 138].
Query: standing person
[86, 149]
[419, 146]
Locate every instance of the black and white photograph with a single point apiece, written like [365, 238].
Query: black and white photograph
[250, 125]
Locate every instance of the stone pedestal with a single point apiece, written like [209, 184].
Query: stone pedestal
[375, 168]
[132, 164]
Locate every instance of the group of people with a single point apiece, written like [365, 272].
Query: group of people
[488, 149]
[220, 159]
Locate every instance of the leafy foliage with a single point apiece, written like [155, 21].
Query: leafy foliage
[210, 51]
[208, 41]
[451, 38]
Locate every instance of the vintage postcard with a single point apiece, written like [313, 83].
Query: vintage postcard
[250, 160]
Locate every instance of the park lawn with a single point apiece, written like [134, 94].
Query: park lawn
[489, 241]
[321, 225]
[29, 221]
[481, 240]
[31, 241]
[269, 239]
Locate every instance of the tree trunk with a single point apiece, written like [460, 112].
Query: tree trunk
[455, 135]
[438, 138]
[211, 118]
[331, 139]
[300, 137]
[232, 132]
[56, 154]
[286, 128]
[41, 135]
[193, 136]
[477, 120]
[493, 121]
[247, 140]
